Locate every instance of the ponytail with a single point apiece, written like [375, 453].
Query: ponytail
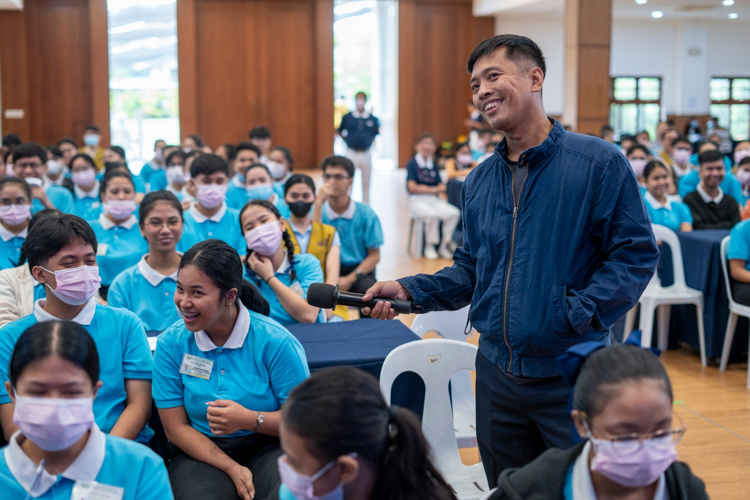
[252, 299]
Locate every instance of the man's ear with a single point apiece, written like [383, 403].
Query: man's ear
[537, 79]
[38, 274]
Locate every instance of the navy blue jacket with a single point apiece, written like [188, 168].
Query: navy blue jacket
[559, 269]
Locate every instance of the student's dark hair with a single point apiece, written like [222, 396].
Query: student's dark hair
[636, 147]
[709, 156]
[207, 164]
[6, 154]
[651, 166]
[16, 180]
[29, 150]
[65, 339]
[68, 140]
[11, 141]
[606, 129]
[52, 233]
[339, 411]
[175, 154]
[260, 132]
[518, 49]
[222, 264]
[287, 155]
[461, 145]
[256, 165]
[682, 138]
[338, 161]
[700, 144]
[83, 156]
[194, 153]
[423, 136]
[152, 198]
[197, 139]
[230, 149]
[744, 161]
[157, 141]
[32, 222]
[608, 368]
[244, 146]
[303, 179]
[92, 128]
[360, 93]
[54, 151]
[286, 236]
[113, 174]
[119, 150]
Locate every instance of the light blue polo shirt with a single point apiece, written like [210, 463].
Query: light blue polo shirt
[730, 185]
[237, 199]
[359, 229]
[158, 181]
[671, 214]
[88, 206]
[120, 246]
[223, 225]
[257, 367]
[739, 244]
[123, 354]
[111, 461]
[147, 293]
[10, 247]
[60, 197]
[307, 271]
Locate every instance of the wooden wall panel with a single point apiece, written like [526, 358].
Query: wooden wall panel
[14, 72]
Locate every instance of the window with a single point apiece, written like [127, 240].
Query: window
[634, 104]
[730, 103]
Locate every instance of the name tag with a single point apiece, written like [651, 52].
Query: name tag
[297, 288]
[91, 490]
[101, 250]
[194, 366]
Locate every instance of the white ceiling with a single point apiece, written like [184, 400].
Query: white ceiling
[11, 4]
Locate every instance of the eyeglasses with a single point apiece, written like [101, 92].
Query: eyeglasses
[157, 224]
[32, 165]
[626, 444]
[335, 177]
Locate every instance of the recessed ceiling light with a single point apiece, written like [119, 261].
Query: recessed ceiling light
[728, 2]
[733, 15]
[641, 2]
[657, 14]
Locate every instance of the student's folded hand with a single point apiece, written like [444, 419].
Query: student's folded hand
[243, 481]
[227, 417]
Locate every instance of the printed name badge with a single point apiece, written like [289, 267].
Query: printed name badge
[101, 250]
[194, 366]
[91, 490]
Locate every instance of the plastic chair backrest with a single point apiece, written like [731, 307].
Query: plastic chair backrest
[435, 361]
[724, 250]
[666, 235]
[449, 324]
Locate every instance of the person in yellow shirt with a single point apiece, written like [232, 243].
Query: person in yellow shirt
[92, 137]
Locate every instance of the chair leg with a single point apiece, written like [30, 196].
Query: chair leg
[647, 323]
[728, 337]
[662, 315]
[629, 322]
[701, 334]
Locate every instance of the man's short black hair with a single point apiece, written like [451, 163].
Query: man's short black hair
[681, 138]
[11, 141]
[68, 140]
[517, 49]
[244, 146]
[338, 161]
[119, 150]
[360, 93]
[30, 150]
[92, 128]
[207, 164]
[260, 132]
[710, 156]
[52, 233]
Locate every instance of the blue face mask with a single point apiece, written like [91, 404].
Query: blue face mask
[262, 192]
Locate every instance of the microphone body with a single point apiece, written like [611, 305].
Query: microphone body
[329, 296]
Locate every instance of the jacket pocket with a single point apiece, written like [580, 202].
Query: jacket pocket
[560, 334]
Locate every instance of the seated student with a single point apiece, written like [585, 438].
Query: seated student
[147, 288]
[730, 185]
[280, 165]
[114, 158]
[30, 163]
[192, 142]
[156, 165]
[120, 242]
[61, 251]
[261, 137]
[638, 156]
[57, 171]
[226, 151]
[357, 224]
[259, 186]
[460, 166]
[220, 378]
[178, 177]
[210, 217]
[681, 149]
[92, 145]
[623, 408]
[282, 276]
[424, 185]
[54, 379]
[244, 155]
[743, 177]
[710, 208]
[15, 212]
[341, 440]
[663, 209]
[741, 151]
[88, 205]
[69, 148]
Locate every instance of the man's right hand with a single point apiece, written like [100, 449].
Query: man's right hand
[385, 290]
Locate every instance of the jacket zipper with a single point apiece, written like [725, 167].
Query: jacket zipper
[510, 263]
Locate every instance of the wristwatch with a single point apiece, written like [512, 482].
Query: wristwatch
[358, 273]
[260, 421]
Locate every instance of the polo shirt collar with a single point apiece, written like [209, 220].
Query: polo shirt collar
[284, 267]
[151, 275]
[424, 162]
[655, 203]
[357, 114]
[706, 198]
[81, 194]
[85, 317]
[348, 213]
[108, 224]
[84, 468]
[200, 218]
[236, 338]
[304, 232]
[540, 153]
[238, 181]
[6, 235]
[46, 183]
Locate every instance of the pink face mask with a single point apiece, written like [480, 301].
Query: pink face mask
[120, 209]
[84, 178]
[638, 167]
[264, 239]
[681, 155]
[76, 286]
[53, 424]
[633, 469]
[744, 177]
[211, 195]
[9, 170]
[464, 159]
[302, 487]
[14, 215]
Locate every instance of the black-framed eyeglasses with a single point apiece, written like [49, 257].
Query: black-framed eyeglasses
[335, 177]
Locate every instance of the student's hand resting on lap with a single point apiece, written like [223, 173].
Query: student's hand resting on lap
[385, 290]
[261, 266]
[346, 282]
[243, 481]
[227, 417]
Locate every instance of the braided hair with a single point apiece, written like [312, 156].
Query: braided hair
[288, 243]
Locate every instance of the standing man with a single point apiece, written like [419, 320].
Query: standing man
[557, 247]
[359, 129]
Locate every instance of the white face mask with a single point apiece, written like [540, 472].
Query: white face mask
[277, 170]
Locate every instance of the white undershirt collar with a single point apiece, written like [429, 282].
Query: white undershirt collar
[236, 338]
[85, 317]
[107, 224]
[200, 218]
[152, 275]
[81, 194]
[703, 194]
[348, 213]
[6, 235]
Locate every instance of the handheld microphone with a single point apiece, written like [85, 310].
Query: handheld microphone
[328, 297]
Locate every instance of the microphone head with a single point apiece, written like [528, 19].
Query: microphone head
[322, 295]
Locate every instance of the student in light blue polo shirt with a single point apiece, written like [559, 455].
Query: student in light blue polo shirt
[55, 366]
[243, 155]
[357, 225]
[15, 213]
[120, 242]
[114, 158]
[663, 209]
[220, 378]
[282, 276]
[61, 253]
[259, 186]
[156, 165]
[30, 163]
[210, 217]
[86, 187]
[147, 288]
[280, 165]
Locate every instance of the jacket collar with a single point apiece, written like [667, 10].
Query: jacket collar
[540, 153]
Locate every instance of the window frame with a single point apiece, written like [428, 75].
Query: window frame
[731, 101]
[638, 102]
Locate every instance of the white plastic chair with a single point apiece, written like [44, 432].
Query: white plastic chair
[451, 325]
[656, 296]
[435, 361]
[735, 311]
